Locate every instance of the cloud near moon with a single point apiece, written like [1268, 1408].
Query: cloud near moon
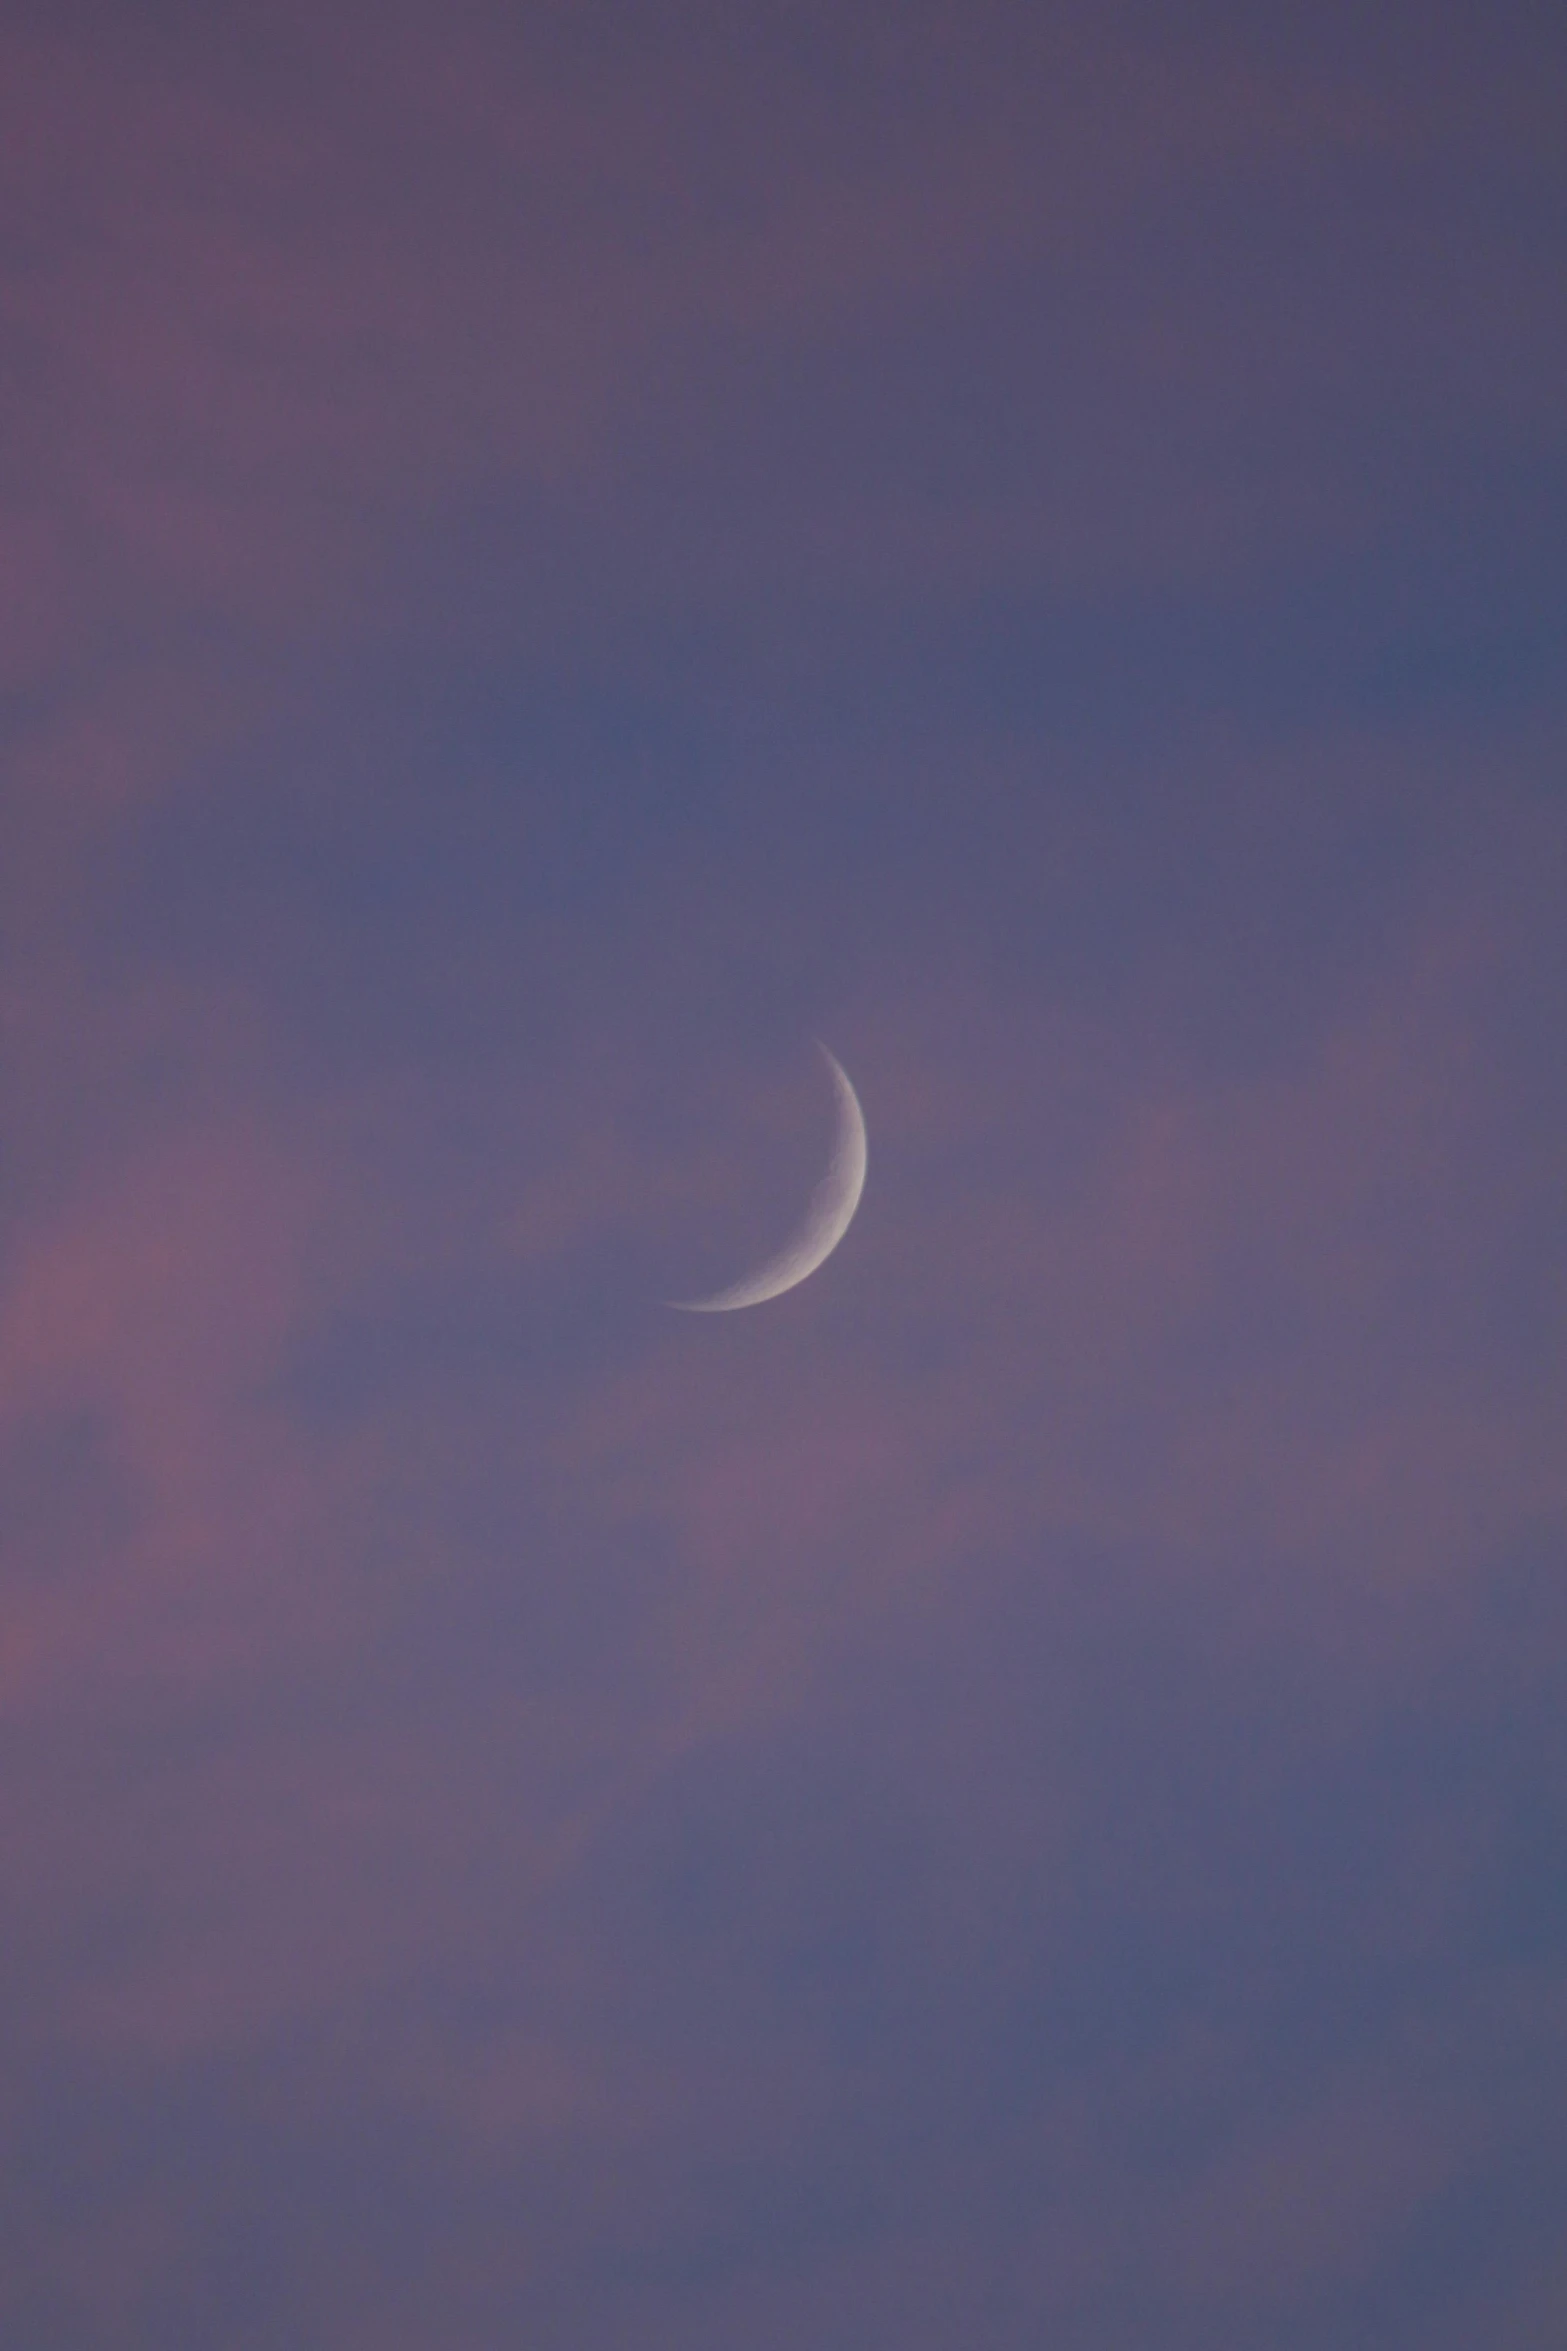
[833, 1204]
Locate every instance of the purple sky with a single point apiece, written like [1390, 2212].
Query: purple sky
[1016, 1796]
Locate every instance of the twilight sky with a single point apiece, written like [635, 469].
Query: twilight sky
[1016, 1796]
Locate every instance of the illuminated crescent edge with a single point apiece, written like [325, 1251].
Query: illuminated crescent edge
[833, 1204]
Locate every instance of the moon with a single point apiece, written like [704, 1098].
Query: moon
[833, 1204]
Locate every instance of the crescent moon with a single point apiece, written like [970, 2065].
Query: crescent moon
[833, 1204]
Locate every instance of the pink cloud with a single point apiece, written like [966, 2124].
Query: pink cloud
[270, 324]
[311, 1867]
[441, 1686]
[1117, 1216]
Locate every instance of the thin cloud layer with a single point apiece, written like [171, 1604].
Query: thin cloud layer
[1014, 1792]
